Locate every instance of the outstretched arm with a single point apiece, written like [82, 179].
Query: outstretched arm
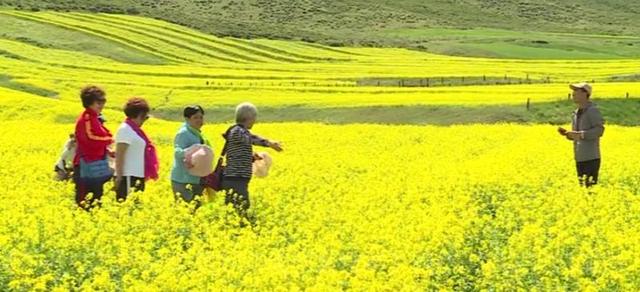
[248, 137]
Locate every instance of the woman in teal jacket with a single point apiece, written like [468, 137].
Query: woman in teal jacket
[184, 184]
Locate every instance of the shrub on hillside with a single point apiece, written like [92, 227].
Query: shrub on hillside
[132, 11]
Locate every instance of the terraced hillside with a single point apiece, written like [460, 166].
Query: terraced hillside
[54, 54]
[489, 28]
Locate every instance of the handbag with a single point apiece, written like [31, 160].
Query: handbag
[214, 180]
[96, 171]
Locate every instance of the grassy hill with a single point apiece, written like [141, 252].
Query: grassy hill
[562, 29]
[54, 54]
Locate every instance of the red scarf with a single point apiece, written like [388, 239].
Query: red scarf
[151, 165]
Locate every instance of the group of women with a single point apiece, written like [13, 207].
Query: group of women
[136, 161]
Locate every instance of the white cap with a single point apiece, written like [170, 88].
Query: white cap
[584, 86]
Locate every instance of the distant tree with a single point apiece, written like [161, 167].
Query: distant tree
[133, 11]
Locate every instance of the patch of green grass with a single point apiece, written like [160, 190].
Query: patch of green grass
[624, 112]
[519, 44]
[445, 81]
[8, 82]
[51, 36]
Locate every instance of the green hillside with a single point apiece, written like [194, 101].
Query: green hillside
[511, 29]
[53, 54]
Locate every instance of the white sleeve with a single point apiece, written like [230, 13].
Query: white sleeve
[68, 155]
[125, 135]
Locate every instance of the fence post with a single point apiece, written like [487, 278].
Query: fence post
[528, 103]
[627, 95]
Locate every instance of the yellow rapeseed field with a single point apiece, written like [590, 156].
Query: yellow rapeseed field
[357, 206]
[363, 207]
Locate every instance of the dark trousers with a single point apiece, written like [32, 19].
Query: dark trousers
[84, 188]
[588, 172]
[127, 185]
[237, 193]
[186, 192]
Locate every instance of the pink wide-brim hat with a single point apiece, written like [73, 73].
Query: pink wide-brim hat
[201, 157]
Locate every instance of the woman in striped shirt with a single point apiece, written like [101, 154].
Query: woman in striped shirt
[239, 157]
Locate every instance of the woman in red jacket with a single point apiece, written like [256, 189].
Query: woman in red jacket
[93, 140]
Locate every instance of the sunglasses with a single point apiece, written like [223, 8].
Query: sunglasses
[101, 101]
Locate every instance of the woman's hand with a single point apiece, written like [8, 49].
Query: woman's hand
[275, 146]
[187, 162]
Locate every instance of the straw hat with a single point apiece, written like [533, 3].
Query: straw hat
[583, 85]
[201, 156]
[261, 167]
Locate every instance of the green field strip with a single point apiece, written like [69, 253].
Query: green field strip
[50, 36]
[191, 54]
[224, 41]
[335, 50]
[283, 51]
[304, 49]
[173, 39]
[207, 40]
[107, 35]
[11, 82]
